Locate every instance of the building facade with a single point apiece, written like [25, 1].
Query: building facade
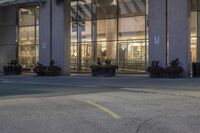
[75, 33]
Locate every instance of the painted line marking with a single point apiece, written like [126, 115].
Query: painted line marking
[102, 108]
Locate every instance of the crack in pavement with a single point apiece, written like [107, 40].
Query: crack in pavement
[141, 124]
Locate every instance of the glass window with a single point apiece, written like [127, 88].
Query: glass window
[107, 30]
[84, 10]
[131, 28]
[132, 55]
[128, 8]
[107, 50]
[27, 16]
[106, 9]
[28, 36]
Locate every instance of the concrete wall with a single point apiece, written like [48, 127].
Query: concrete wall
[157, 31]
[8, 44]
[179, 33]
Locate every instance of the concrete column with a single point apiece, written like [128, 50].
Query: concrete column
[60, 37]
[67, 36]
[44, 33]
[179, 33]
[8, 35]
[157, 31]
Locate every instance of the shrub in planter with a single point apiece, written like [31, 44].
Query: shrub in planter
[104, 69]
[12, 68]
[155, 70]
[174, 70]
[40, 69]
[51, 70]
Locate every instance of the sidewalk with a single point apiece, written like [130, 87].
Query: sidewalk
[120, 81]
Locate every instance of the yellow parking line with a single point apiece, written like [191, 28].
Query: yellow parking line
[114, 115]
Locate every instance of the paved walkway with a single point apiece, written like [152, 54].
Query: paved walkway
[120, 81]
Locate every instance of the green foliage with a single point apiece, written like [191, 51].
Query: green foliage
[13, 68]
[175, 62]
[51, 70]
[155, 70]
[108, 61]
[103, 69]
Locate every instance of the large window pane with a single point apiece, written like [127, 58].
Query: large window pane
[27, 35]
[131, 28]
[132, 56]
[107, 50]
[27, 16]
[107, 30]
[129, 8]
[84, 10]
[106, 9]
[27, 55]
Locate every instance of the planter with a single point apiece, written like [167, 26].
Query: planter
[196, 69]
[153, 75]
[9, 70]
[104, 72]
[51, 70]
[155, 71]
[174, 72]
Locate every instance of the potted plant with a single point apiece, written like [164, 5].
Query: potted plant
[40, 69]
[51, 70]
[12, 68]
[104, 69]
[174, 70]
[155, 70]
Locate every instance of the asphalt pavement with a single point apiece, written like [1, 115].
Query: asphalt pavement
[83, 104]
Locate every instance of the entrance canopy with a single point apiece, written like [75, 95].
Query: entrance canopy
[19, 2]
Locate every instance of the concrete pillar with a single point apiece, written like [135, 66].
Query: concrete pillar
[67, 36]
[61, 31]
[44, 33]
[179, 33]
[157, 31]
[56, 45]
[8, 35]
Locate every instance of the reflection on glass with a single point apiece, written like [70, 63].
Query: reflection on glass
[106, 9]
[128, 8]
[28, 36]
